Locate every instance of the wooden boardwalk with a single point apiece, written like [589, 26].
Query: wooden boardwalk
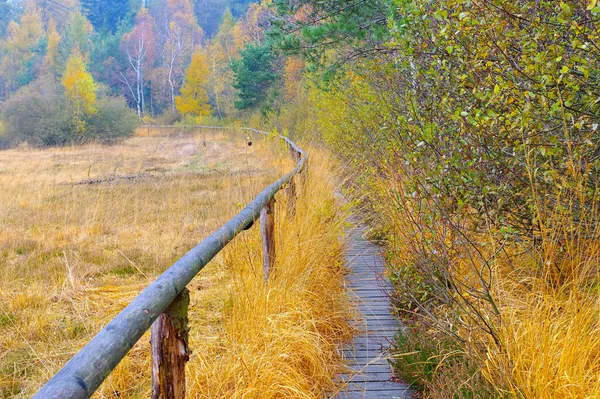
[371, 375]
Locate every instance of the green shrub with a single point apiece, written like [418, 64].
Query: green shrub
[34, 117]
[39, 115]
[113, 121]
[169, 117]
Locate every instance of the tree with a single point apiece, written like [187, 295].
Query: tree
[80, 90]
[254, 74]
[77, 37]
[178, 35]
[356, 29]
[292, 78]
[105, 15]
[252, 27]
[23, 44]
[34, 114]
[194, 97]
[6, 15]
[53, 40]
[37, 113]
[222, 52]
[57, 10]
[209, 12]
[139, 48]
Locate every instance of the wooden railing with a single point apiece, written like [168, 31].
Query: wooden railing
[164, 303]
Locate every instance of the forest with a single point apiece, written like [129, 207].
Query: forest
[80, 67]
[466, 132]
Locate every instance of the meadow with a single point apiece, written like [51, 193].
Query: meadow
[85, 229]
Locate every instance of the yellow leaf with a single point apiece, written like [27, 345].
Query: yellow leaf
[194, 96]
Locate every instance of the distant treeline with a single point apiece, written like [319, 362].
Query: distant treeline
[172, 60]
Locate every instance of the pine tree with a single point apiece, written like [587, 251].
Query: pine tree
[194, 97]
[254, 75]
[105, 15]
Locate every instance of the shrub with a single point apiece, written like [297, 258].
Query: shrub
[476, 144]
[38, 114]
[169, 117]
[33, 116]
[114, 120]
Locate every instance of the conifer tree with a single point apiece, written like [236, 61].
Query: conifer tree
[105, 15]
[254, 75]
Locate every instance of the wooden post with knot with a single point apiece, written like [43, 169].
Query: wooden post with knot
[169, 345]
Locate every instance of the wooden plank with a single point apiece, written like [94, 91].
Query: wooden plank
[368, 377]
[379, 386]
[376, 395]
[371, 375]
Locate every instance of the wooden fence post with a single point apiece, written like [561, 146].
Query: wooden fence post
[169, 344]
[267, 232]
[296, 156]
[290, 192]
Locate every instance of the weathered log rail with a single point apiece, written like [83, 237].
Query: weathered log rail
[166, 299]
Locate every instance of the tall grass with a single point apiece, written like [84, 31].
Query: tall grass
[73, 255]
[280, 340]
[544, 326]
[550, 304]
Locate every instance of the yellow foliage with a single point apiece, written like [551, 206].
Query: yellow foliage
[292, 77]
[53, 41]
[79, 85]
[23, 36]
[194, 97]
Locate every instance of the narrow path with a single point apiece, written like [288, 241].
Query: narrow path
[371, 374]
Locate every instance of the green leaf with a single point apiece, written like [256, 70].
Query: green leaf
[565, 7]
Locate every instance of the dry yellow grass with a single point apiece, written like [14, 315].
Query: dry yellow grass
[73, 255]
[548, 322]
[551, 345]
[281, 341]
[550, 329]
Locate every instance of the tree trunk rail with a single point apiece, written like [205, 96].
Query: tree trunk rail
[165, 301]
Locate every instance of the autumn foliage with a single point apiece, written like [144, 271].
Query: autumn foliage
[79, 85]
[193, 100]
[472, 130]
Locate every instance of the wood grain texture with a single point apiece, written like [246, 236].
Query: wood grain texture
[370, 374]
[267, 233]
[169, 345]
